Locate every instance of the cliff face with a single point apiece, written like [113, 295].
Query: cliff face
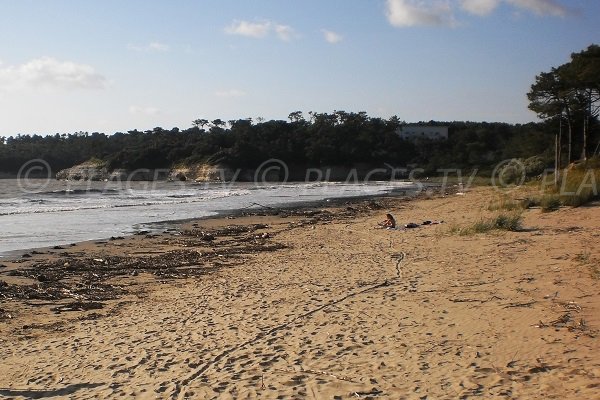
[94, 171]
[276, 172]
[87, 171]
[98, 173]
[204, 173]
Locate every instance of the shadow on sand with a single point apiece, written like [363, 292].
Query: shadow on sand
[43, 393]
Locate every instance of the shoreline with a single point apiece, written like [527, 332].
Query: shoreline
[317, 304]
[409, 191]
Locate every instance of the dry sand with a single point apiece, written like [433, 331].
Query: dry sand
[343, 311]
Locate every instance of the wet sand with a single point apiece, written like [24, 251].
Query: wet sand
[313, 304]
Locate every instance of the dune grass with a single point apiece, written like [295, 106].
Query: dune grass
[550, 203]
[577, 186]
[507, 222]
[505, 203]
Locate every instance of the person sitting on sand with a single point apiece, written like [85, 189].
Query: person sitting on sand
[389, 222]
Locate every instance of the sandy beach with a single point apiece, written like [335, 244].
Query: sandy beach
[313, 303]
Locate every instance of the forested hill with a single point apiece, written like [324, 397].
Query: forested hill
[339, 138]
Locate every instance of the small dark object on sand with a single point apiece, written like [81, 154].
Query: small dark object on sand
[411, 225]
[78, 306]
[4, 314]
[207, 237]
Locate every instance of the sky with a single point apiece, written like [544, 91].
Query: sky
[112, 66]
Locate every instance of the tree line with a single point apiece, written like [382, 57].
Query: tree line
[320, 139]
[569, 95]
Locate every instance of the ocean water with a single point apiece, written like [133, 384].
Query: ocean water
[43, 213]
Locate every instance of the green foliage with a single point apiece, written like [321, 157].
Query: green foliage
[534, 166]
[550, 203]
[506, 204]
[339, 138]
[570, 93]
[512, 173]
[507, 222]
[577, 186]
[517, 171]
[95, 161]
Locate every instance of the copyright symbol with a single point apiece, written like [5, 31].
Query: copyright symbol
[34, 175]
[270, 168]
[508, 172]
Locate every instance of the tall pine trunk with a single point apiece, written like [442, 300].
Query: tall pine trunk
[569, 133]
[557, 153]
[585, 135]
[570, 140]
[586, 126]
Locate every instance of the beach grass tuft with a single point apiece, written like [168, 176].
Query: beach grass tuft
[506, 204]
[550, 203]
[507, 222]
[530, 202]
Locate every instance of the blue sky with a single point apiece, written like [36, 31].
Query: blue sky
[113, 65]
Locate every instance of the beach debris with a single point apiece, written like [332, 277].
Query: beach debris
[527, 304]
[207, 237]
[83, 276]
[43, 278]
[90, 316]
[78, 306]
[4, 314]
[372, 392]
[373, 205]
[568, 320]
[87, 278]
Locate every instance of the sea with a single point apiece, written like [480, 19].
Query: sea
[37, 213]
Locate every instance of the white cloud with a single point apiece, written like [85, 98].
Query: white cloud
[479, 7]
[151, 47]
[332, 37]
[284, 32]
[50, 72]
[541, 7]
[408, 13]
[250, 29]
[137, 110]
[259, 30]
[230, 93]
